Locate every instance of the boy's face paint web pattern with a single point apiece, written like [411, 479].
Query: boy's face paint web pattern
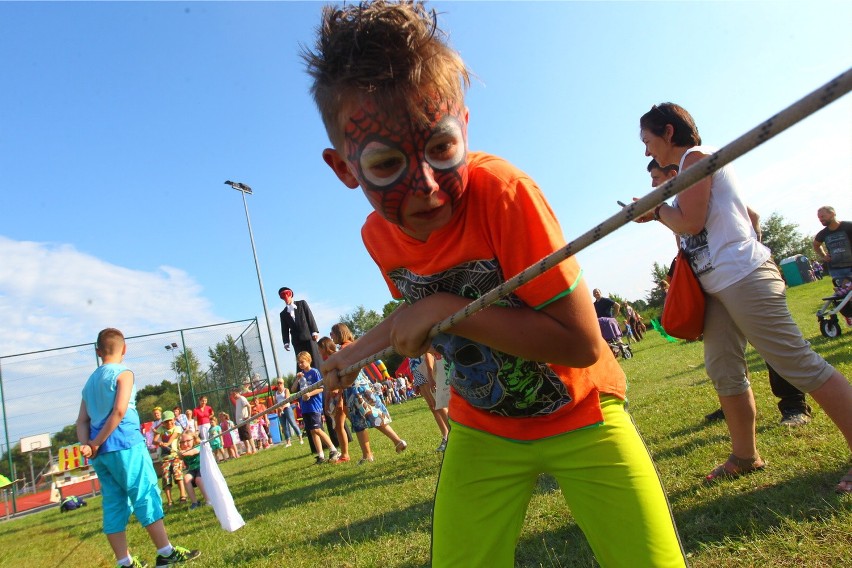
[395, 160]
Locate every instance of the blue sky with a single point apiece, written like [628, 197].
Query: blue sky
[121, 121]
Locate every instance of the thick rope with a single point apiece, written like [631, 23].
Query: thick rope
[804, 107]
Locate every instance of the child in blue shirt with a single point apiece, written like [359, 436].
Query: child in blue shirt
[312, 408]
[108, 429]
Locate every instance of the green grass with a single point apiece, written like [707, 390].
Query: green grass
[300, 515]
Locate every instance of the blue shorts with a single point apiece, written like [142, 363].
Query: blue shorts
[129, 485]
[312, 421]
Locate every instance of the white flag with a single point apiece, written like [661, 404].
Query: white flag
[218, 492]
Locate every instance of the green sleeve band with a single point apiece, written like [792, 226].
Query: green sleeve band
[561, 294]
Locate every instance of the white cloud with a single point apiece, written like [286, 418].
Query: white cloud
[52, 295]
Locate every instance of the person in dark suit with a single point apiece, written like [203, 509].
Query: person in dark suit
[298, 326]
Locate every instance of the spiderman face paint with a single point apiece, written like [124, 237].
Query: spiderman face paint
[413, 176]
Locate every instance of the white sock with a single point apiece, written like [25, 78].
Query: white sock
[126, 561]
[332, 449]
[320, 455]
[166, 550]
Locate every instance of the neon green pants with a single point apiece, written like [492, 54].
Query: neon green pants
[606, 476]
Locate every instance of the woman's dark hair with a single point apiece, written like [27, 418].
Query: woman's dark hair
[685, 131]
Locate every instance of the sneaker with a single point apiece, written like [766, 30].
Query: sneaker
[288, 444]
[301, 441]
[792, 419]
[442, 446]
[320, 460]
[134, 563]
[178, 556]
[713, 416]
[364, 461]
[400, 446]
[333, 456]
[194, 506]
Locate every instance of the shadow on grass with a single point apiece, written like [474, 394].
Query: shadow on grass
[65, 560]
[737, 514]
[403, 521]
[563, 547]
[349, 479]
[719, 436]
[734, 516]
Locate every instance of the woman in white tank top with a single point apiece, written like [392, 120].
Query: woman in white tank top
[745, 293]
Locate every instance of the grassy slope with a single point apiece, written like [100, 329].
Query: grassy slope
[303, 515]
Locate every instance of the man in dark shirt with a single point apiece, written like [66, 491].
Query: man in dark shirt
[604, 307]
[833, 244]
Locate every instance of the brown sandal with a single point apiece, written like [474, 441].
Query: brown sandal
[735, 467]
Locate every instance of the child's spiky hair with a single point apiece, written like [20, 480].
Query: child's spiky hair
[391, 52]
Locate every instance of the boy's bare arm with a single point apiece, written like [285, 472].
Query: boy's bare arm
[309, 394]
[375, 340]
[124, 386]
[565, 332]
[83, 425]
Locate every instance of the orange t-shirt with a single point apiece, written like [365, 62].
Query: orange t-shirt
[502, 225]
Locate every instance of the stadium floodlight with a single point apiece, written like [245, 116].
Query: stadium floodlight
[245, 189]
[239, 186]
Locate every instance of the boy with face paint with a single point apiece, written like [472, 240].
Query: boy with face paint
[535, 389]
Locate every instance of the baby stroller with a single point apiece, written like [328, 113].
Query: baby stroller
[612, 334]
[840, 302]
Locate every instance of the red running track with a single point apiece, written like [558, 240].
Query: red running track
[35, 500]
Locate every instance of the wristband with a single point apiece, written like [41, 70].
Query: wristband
[657, 212]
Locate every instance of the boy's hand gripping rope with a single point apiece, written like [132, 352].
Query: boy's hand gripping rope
[804, 107]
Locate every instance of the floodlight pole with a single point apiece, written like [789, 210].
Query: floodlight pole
[172, 347]
[243, 189]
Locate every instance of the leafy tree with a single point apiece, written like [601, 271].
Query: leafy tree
[361, 320]
[783, 238]
[164, 395]
[390, 307]
[64, 437]
[156, 390]
[657, 294]
[187, 378]
[230, 365]
[21, 462]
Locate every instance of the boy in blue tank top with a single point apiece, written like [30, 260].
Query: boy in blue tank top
[109, 431]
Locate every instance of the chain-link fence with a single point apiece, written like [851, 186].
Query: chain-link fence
[40, 390]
